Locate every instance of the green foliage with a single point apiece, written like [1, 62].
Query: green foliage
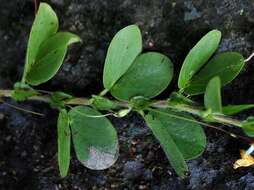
[225, 65]
[95, 139]
[23, 91]
[102, 103]
[234, 109]
[123, 50]
[64, 142]
[50, 57]
[177, 98]
[134, 78]
[148, 76]
[248, 126]
[212, 97]
[58, 99]
[176, 136]
[46, 48]
[198, 56]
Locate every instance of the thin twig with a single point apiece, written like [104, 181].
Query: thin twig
[249, 58]
[22, 109]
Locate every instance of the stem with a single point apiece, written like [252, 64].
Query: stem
[197, 112]
[222, 119]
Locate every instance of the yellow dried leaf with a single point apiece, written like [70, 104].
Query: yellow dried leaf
[246, 160]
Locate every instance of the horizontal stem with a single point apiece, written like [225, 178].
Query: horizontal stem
[158, 104]
[223, 119]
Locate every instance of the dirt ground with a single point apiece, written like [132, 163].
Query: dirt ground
[28, 159]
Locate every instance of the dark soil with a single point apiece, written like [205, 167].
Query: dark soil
[28, 143]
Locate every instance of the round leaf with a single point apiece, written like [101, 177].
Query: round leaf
[47, 67]
[225, 65]
[123, 49]
[148, 76]
[198, 56]
[50, 57]
[212, 96]
[94, 137]
[44, 26]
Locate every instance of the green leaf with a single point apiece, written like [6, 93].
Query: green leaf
[58, 40]
[95, 139]
[248, 126]
[198, 56]
[64, 142]
[44, 26]
[102, 103]
[170, 148]
[123, 49]
[57, 99]
[50, 57]
[177, 98]
[225, 65]
[148, 76]
[212, 96]
[181, 138]
[23, 91]
[140, 103]
[234, 109]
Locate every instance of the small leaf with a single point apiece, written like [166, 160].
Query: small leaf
[44, 26]
[177, 98]
[212, 97]
[23, 91]
[234, 109]
[148, 76]
[46, 68]
[95, 139]
[188, 137]
[248, 126]
[50, 57]
[64, 142]
[198, 56]
[123, 50]
[57, 99]
[102, 103]
[140, 103]
[225, 65]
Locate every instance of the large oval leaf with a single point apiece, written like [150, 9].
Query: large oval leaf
[123, 49]
[50, 57]
[212, 98]
[64, 142]
[198, 56]
[225, 65]
[44, 26]
[148, 76]
[94, 137]
[188, 136]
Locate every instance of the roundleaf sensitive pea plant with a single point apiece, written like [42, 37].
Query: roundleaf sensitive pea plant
[134, 79]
